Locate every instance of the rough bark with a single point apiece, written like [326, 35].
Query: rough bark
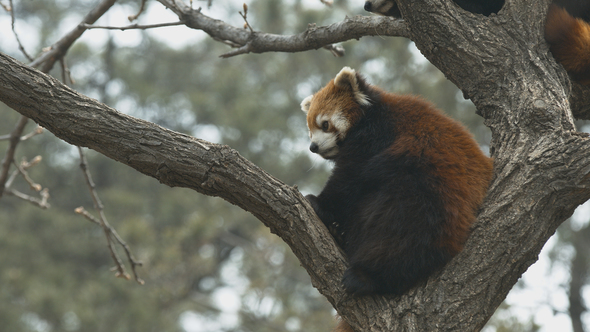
[502, 63]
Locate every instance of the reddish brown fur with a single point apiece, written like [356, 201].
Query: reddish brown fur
[569, 40]
[460, 166]
[343, 326]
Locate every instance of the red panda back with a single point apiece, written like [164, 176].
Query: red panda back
[462, 170]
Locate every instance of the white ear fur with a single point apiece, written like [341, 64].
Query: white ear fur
[306, 103]
[347, 78]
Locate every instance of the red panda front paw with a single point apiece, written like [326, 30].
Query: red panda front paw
[358, 283]
[313, 201]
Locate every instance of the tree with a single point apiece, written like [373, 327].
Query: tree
[523, 95]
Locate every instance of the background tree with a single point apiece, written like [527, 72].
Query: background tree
[193, 92]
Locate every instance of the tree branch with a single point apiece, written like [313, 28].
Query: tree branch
[110, 233]
[132, 26]
[15, 138]
[59, 49]
[13, 20]
[311, 39]
[42, 203]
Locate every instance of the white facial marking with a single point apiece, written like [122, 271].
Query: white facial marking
[340, 123]
[326, 141]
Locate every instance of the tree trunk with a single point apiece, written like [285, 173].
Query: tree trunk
[502, 63]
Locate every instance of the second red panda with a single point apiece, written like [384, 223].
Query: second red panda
[567, 29]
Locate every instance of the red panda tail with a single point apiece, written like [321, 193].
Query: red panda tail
[343, 326]
[569, 41]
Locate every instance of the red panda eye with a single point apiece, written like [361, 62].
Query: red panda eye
[325, 126]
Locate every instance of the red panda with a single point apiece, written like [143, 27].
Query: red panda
[406, 184]
[567, 29]
[568, 33]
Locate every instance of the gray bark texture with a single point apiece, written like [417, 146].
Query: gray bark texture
[501, 62]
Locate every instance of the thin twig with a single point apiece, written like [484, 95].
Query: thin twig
[35, 132]
[20, 45]
[133, 26]
[65, 72]
[8, 159]
[24, 165]
[134, 263]
[81, 211]
[102, 219]
[109, 231]
[21, 169]
[13, 176]
[6, 8]
[132, 18]
[241, 50]
[245, 17]
[34, 186]
[59, 49]
[42, 203]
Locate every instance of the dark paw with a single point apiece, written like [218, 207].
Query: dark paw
[358, 283]
[313, 201]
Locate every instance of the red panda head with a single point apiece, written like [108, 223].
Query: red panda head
[333, 110]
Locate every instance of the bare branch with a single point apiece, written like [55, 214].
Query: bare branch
[81, 211]
[133, 26]
[65, 72]
[37, 131]
[245, 17]
[22, 170]
[109, 231]
[59, 49]
[42, 203]
[20, 45]
[313, 38]
[132, 18]
[5, 7]
[119, 267]
[9, 157]
[25, 165]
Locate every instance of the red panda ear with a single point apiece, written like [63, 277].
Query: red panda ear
[306, 103]
[347, 79]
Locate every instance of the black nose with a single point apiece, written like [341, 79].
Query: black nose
[314, 148]
[368, 6]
